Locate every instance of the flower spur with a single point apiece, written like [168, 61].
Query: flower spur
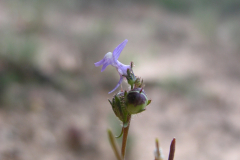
[112, 59]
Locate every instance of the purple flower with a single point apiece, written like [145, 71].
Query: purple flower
[112, 59]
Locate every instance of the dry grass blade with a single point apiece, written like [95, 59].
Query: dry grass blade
[172, 149]
[114, 146]
[157, 151]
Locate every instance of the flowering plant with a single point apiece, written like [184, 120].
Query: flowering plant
[127, 103]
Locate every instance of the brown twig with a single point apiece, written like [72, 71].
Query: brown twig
[124, 139]
[172, 149]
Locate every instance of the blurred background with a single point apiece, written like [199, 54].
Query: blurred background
[53, 100]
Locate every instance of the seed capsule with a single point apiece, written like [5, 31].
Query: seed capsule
[136, 101]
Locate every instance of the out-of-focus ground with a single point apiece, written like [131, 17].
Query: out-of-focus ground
[53, 100]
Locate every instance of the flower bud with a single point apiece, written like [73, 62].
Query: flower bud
[136, 101]
[138, 83]
[130, 77]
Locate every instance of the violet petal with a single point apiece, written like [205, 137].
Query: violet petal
[107, 60]
[119, 82]
[117, 51]
[97, 64]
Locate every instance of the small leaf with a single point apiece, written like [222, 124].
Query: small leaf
[149, 101]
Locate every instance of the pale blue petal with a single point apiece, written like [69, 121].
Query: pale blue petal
[105, 66]
[122, 68]
[117, 51]
[119, 82]
[107, 60]
[97, 64]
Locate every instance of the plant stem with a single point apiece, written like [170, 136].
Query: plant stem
[124, 139]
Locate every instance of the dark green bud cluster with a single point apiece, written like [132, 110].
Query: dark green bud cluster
[124, 104]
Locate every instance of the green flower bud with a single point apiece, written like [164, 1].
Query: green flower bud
[138, 83]
[130, 77]
[136, 101]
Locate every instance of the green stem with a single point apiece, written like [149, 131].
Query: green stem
[124, 139]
